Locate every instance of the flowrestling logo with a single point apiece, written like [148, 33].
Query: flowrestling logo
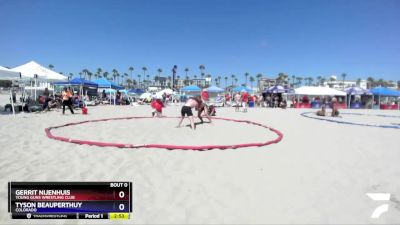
[382, 208]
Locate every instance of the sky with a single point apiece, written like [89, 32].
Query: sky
[306, 38]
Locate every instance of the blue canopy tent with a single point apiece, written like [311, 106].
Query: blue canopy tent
[385, 92]
[242, 89]
[381, 91]
[214, 89]
[136, 91]
[108, 86]
[85, 86]
[191, 88]
[104, 83]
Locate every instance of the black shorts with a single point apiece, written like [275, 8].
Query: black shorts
[186, 110]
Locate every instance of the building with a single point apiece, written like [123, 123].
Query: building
[335, 83]
[266, 83]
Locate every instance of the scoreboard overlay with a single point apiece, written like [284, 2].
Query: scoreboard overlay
[70, 200]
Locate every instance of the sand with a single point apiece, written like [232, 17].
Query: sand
[318, 174]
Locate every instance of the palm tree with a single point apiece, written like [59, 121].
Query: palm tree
[139, 78]
[131, 69]
[344, 75]
[129, 82]
[186, 71]
[51, 66]
[105, 74]
[246, 75]
[148, 78]
[98, 73]
[251, 81]
[236, 80]
[115, 72]
[85, 72]
[202, 68]
[319, 80]
[299, 81]
[90, 75]
[144, 71]
[159, 70]
[226, 81]
[124, 77]
[70, 75]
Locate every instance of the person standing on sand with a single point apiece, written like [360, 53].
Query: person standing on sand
[237, 101]
[245, 100]
[66, 100]
[187, 110]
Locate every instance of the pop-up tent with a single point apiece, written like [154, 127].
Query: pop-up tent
[316, 91]
[191, 88]
[85, 86]
[32, 68]
[386, 92]
[356, 91]
[7, 74]
[278, 89]
[382, 91]
[214, 89]
[104, 83]
[242, 89]
[39, 73]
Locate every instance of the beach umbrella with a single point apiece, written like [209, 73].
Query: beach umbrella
[145, 95]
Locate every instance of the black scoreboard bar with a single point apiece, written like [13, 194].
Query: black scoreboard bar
[70, 200]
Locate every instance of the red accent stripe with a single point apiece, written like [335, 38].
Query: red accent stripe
[169, 147]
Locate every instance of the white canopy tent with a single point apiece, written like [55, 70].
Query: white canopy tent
[318, 91]
[37, 71]
[31, 68]
[7, 74]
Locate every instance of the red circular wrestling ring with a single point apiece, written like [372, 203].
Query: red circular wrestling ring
[169, 147]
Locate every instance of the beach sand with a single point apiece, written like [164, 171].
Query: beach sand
[318, 174]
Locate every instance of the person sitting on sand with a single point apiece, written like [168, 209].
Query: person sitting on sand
[335, 111]
[187, 110]
[321, 112]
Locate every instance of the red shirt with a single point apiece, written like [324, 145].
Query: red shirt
[158, 105]
[204, 95]
[245, 97]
